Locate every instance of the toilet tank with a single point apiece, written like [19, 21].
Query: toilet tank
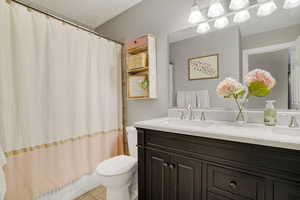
[132, 140]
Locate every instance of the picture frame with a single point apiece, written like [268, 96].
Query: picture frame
[204, 67]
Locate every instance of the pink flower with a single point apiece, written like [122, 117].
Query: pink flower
[259, 75]
[229, 87]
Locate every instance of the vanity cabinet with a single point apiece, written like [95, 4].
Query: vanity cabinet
[176, 166]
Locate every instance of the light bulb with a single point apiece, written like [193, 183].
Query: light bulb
[196, 15]
[203, 28]
[238, 4]
[215, 9]
[288, 4]
[221, 22]
[241, 16]
[266, 9]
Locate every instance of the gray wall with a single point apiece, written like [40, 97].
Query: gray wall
[159, 18]
[277, 64]
[283, 35]
[226, 43]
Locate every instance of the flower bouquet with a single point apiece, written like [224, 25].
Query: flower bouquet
[257, 83]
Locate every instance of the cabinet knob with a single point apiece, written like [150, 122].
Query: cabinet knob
[172, 166]
[165, 164]
[233, 184]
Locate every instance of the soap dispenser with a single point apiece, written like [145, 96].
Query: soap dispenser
[270, 114]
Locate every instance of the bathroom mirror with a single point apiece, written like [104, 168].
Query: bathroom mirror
[271, 43]
[281, 61]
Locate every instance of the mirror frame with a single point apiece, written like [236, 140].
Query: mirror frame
[260, 50]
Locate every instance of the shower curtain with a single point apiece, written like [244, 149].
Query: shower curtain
[60, 101]
[295, 75]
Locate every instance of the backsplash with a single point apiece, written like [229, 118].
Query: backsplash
[218, 114]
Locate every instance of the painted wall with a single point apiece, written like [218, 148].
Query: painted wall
[226, 43]
[159, 18]
[278, 36]
[277, 64]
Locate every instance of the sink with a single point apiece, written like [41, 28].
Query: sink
[178, 122]
[286, 131]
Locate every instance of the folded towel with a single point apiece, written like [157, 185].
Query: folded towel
[181, 99]
[2, 176]
[203, 99]
[190, 99]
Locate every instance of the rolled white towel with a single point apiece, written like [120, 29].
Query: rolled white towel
[2, 176]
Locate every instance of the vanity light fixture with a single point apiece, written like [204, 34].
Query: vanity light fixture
[219, 13]
[203, 28]
[266, 8]
[238, 4]
[222, 22]
[288, 4]
[241, 16]
[215, 9]
[196, 16]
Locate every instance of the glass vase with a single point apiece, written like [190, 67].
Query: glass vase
[241, 112]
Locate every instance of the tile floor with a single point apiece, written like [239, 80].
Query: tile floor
[98, 193]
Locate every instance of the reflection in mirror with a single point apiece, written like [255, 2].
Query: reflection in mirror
[271, 43]
[277, 63]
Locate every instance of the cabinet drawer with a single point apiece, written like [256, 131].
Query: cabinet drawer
[235, 184]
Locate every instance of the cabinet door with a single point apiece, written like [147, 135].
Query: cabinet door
[185, 174]
[157, 175]
[285, 191]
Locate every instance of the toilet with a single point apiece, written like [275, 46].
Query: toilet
[119, 174]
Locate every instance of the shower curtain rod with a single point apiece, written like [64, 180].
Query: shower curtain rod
[61, 18]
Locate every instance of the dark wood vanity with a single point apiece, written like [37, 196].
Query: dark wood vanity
[181, 167]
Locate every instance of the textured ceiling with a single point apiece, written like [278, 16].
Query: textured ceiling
[88, 12]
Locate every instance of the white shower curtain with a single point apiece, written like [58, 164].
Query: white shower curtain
[60, 100]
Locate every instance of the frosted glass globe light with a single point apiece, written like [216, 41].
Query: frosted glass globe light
[266, 9]
[241, 16]
[238, 4]
[215, 9]
[196, 16]
[221, 22]
[203, 28]
[288, 4]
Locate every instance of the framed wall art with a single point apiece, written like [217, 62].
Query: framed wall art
[205, 67]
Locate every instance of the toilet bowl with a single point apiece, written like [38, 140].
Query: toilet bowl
[119, 174]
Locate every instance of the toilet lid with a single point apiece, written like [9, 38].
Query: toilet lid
[116, 165]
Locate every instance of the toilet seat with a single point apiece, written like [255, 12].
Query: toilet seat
[117, 166]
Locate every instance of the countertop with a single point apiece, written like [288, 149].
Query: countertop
[279, 136]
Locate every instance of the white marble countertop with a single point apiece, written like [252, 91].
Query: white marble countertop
[279, 136]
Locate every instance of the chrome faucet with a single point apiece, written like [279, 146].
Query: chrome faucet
[293, 122]
[202, 117]
[190, 112]
[181, 113]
